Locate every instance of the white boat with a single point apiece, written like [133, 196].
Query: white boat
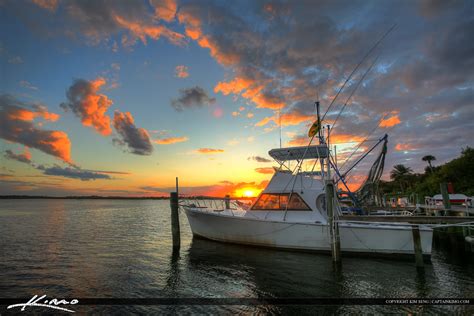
[303, 223]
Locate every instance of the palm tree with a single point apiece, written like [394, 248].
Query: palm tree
[429, 158]
[400, 173]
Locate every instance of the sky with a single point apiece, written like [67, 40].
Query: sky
[119, 97]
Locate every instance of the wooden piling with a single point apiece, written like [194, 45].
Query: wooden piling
[227, 202]
[333, 225]
[174, 203]
[417, 246]
[444, 192]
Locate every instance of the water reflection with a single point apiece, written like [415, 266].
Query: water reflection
[260, 272]
[93, 248]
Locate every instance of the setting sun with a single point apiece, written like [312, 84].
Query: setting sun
[247, 192]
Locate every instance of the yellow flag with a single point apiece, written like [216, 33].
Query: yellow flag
[314, 129]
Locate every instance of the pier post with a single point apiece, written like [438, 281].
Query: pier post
[444, 192]
[174, 203]
[227, 202]
[333, 225]
[417, 247]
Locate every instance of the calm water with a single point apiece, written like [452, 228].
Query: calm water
[116, 248]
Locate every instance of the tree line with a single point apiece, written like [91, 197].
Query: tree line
[459, 171]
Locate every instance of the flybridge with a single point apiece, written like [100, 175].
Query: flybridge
[299, 153]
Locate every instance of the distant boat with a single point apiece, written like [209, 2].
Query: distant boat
[456, 199]
[290, 213]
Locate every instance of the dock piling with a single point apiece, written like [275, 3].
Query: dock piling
[227, 202]
[333, 225]
[444, 192]
[417, 247]
[174, 203]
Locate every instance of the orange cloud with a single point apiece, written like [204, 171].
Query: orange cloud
[181, 71]
[170, 140]
[264, 121]
[303, 140]
[299, 141]
[165, 9]
[89, 105]
[192, 27]
[391, 121]
[234, 86]
[29, 115]
[265, 170]
[293, 118]
[403, 147]
[287, 119]
[60, 145]
[354, 182]
[249, 89]
[50, 5]
[208, 151]
[344, 138]
[18, 127]
[153, 31]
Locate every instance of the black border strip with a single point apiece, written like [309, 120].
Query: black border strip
[254, 301]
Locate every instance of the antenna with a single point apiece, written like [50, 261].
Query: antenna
[279, 119]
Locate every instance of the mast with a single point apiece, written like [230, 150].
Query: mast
[329, 155]
[318, 114]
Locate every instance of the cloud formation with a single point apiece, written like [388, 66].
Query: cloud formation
[265, 170]
[181, 71]
[208, 151]
[259, 159]
[85, 101]
[283, 54]
[136, 139]
[105, 21]
[73, 173]
[50, 5]
[17, 125]
[170, 140]
[191, 97]
[28, 85]
[24, 157]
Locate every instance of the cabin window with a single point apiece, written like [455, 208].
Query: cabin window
[279, 202]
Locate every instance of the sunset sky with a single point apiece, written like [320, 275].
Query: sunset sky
[120, 97]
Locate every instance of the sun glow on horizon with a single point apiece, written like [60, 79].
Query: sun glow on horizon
[247, 192]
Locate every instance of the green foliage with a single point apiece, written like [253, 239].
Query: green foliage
[460, 172]
[401, 174]
[429, 159]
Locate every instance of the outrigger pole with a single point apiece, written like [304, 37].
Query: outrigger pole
[363, 156]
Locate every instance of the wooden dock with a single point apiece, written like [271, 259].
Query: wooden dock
[409, 219]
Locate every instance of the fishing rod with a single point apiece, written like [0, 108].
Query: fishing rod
[335, 97]
[354, 90]
[357, 67]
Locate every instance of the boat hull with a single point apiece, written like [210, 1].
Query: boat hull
[355, 238]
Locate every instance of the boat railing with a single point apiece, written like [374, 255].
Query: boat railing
[214, 205]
